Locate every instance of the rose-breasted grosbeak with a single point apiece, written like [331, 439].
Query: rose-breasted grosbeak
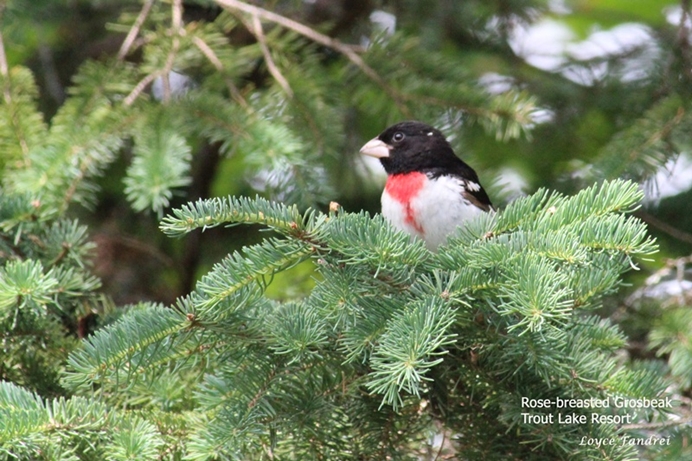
[429, 191]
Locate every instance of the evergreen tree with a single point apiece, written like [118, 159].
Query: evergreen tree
[388, 351]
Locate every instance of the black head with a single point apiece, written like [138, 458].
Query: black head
[413, 146]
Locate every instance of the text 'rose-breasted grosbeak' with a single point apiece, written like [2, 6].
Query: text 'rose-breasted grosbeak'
[429, 191]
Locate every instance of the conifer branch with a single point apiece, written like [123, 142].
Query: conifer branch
[46, 425]
[177, 16]
[255, 27]
[658, 426]
[683, 38]
[238, 271]
[393, 331]
[141, 86]
[229, 210]
[411, 345]
[364, 240]
[177, 31]
[90, 159]
[554, 211]
[134, 30]
[137, 337]
[21, 119]
[661, 134]
[664, 226]
[208, 52]
[161, 164]
[288, 23]
[350, 51]
[646, 143]
[385, 341]
[218, 65]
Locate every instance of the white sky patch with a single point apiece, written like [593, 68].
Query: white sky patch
[672, 179]
[586, 75]
[610, 42]
[620, 40]
[383, 21]
[559, 7]
[550, 45]
[542, 115]
[673, 15]
[496, 83]
[179, 84]
[667, 289]
[370, 167]
[511, 184]
[542, 44]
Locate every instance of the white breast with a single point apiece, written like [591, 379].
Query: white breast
[439, 208]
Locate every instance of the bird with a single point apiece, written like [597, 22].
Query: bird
[430, 191]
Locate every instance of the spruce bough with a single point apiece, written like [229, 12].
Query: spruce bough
[393, 344]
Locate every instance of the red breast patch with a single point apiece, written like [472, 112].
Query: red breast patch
[403, 188]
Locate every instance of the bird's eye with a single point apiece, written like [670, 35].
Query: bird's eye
[398, 136]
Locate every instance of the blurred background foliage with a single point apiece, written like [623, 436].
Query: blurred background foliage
[532, 93]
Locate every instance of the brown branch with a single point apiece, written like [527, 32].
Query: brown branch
[295, 26]
[134, 30]
[350, 51]
[683, 37]
[177, 15]
[4, 69]
[664, 227]
[256, 29]
[176, 25]
[663, 133]
[442, 444]
[139, 246]
[137, 90]
[208, 52]
[216, 62]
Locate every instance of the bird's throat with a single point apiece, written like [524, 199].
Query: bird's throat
[404, 188]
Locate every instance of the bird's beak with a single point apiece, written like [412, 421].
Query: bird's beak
[376, 148]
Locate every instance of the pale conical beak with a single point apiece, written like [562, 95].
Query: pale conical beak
[375, 148]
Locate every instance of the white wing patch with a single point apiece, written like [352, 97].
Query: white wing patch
[472, 186]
